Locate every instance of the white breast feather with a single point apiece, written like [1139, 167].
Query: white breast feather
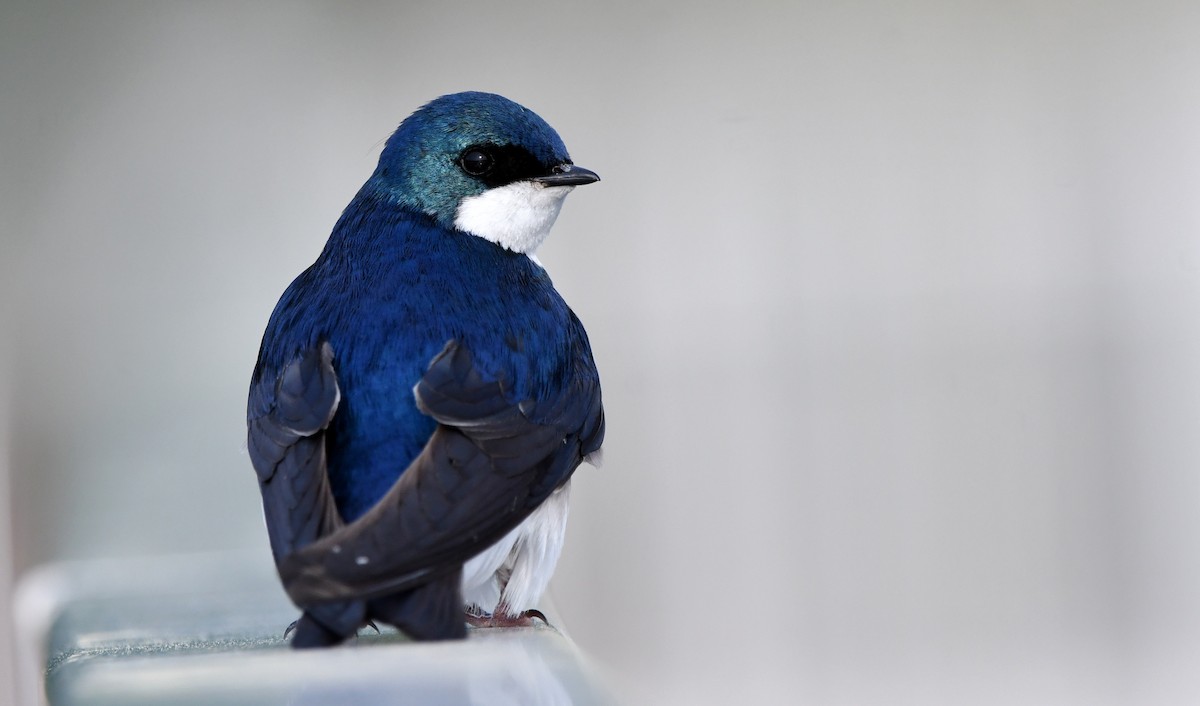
[517, 216]
[512, 574]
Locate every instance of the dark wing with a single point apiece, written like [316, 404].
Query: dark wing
[489, 463]
[286, 419]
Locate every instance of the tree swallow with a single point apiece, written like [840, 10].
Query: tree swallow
[423, 394]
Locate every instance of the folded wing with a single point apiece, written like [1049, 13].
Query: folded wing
[489, 463]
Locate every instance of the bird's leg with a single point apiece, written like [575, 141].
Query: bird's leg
[500, 617]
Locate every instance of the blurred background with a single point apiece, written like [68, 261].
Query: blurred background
[897, 308]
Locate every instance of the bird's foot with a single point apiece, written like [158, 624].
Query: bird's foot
[501, 619]
[292, 628]
[311, 633]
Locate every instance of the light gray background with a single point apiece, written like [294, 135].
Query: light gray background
[896, 307]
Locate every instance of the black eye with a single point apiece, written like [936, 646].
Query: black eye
[476, 162]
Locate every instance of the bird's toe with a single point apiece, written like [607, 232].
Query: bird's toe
[502, 619]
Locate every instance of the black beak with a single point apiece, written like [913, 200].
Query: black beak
[568, 175]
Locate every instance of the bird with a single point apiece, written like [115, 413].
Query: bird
[422, 394]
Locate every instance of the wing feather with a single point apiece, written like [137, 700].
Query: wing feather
[488, 464]
[286, 421]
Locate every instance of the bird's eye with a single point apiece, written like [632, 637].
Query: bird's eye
[476, 162]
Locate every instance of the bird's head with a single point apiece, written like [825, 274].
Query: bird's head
[482, 164]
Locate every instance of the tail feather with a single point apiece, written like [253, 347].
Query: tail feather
[431, 611]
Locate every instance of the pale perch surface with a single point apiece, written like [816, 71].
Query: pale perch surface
[188, 630]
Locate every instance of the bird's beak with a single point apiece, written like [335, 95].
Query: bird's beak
[568, 175]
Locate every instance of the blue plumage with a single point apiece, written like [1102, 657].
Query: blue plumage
[397, 284]
[389, 290]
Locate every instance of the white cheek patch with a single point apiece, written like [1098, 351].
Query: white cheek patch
[517, 216]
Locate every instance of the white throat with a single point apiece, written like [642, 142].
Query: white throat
[517, 216]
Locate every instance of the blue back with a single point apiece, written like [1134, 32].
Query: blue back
[391, 288]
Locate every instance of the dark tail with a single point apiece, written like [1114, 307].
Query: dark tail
[431, 611]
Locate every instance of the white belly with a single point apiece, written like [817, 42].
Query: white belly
[510, 576]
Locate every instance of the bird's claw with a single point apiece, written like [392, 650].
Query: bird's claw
[535, 613]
